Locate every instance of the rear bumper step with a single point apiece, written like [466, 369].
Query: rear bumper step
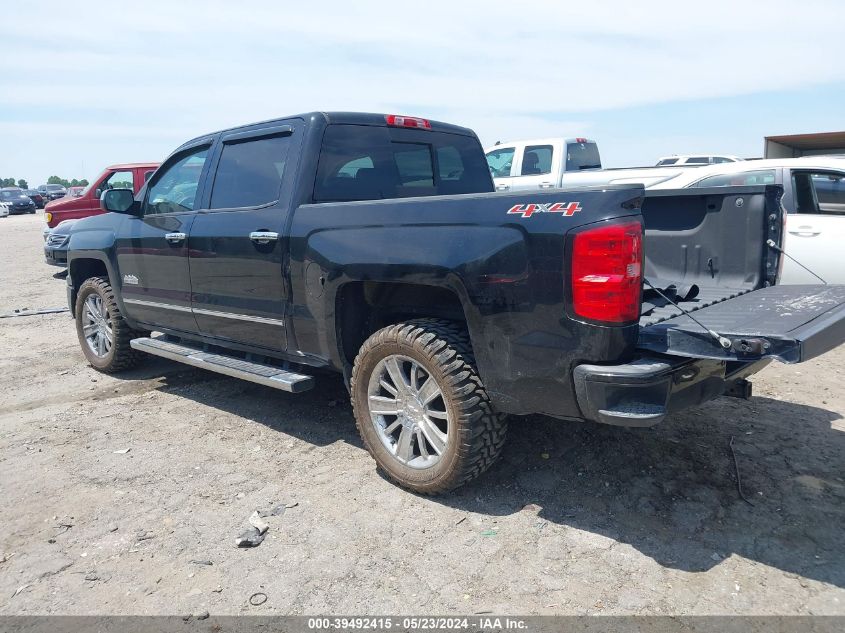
[267, 375]
[642, 393]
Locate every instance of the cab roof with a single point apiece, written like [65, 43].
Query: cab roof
[349, 118]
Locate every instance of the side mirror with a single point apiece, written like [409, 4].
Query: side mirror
[118, 201]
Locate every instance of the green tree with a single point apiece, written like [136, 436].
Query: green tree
[55, 180]
[7, 182]
[23, 184]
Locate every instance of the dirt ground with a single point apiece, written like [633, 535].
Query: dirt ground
[576, 518]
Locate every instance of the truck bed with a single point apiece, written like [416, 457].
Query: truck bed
[706, 246]
[706, 297]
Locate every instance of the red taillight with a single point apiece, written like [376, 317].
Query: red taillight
[607, 264]
[580, 140]
[407, 121]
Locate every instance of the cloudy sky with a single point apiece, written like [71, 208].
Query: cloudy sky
[85, 84]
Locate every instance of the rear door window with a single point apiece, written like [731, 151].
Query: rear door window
[360, 162]
[830, 192]
[582, 155]
[819, 192]
[697, 160]
[249, 173]
[537, 160]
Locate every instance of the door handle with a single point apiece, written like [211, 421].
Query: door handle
[502, 187]
[175, 238]
[804, 231]
[546, 185]
[263, 237]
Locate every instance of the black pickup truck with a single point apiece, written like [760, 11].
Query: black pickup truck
[374, 246]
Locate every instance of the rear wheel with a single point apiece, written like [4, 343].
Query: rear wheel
[103, 333]
[421, 408]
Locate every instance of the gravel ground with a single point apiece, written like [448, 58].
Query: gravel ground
[575, 518]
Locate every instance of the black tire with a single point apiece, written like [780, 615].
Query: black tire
[121, 356]
[475, 432]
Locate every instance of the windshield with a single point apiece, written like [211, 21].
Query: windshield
[55, 188]
[582, 156]
[10, 195]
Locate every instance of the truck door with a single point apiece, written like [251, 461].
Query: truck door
[152, 250]
[815, 227]
[535, 167]
[237, 246]
[502, 163]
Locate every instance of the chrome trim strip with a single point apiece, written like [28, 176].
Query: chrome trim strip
[241, 317]
[213, 313]
[153, 304]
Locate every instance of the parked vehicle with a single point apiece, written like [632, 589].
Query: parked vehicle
[125, 175]
[644, 176]
[541, 163]
[52, 192]
[4, 210]
[337, 242]
[696, 160]
[56, 243]
[814, 198]
[36, 197]
[17, 201]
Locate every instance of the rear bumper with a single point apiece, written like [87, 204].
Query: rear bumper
[642, 393]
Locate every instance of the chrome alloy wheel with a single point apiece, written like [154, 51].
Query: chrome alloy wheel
[408, 411]
[96, 325]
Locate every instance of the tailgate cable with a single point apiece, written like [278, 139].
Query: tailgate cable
[771, 244]
[725, 343]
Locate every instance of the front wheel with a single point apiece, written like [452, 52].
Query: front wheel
[421, 408]
[103, 333]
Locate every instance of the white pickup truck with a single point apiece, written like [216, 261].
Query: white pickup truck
[543, 163]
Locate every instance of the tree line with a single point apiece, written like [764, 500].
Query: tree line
[52, 180]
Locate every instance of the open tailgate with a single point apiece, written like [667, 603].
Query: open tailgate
[790, 323]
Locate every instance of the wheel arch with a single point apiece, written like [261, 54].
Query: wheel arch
[364, 307]
[85, 267]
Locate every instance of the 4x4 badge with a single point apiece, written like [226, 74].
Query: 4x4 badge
[130, 280]
[527, 210]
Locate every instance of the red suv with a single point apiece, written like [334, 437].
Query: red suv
[126, 175]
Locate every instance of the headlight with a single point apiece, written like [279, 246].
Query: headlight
[49, 217]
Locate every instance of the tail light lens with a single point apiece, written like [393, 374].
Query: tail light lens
[607, 264]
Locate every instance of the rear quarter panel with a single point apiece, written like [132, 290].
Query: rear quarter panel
[506, 269]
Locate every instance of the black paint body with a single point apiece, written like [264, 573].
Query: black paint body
[309, 297]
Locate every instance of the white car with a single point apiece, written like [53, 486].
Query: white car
[4, 210]
[696, 160]
[540, 163]
[814, 199]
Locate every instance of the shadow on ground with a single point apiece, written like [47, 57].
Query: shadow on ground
[670, 492]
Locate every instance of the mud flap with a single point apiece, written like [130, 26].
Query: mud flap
[790, 323]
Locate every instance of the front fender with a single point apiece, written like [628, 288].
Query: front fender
[91, 252]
